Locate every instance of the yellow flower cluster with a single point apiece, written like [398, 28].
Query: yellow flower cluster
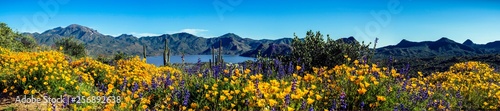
[474, 80]
[142, 86]
[50, 72]
[35, 71]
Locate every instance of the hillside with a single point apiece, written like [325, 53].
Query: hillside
[100, 44]
[441, 47]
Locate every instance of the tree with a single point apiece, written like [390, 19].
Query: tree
[15, 41]
[71, 47]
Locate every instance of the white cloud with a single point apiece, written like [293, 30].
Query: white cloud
[144, 34]
[192, 31]
[114, 35]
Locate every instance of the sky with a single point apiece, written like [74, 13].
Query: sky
[389, 20]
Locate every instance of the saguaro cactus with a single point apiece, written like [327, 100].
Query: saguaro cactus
[220, 53]
[144, 51]
[166, 54]
[212, 51]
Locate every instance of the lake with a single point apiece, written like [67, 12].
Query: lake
[158, 60]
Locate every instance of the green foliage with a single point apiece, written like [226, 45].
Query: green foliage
[13, 40]
[112, 60]
[315, 52]
[72, 47]
[121, 55]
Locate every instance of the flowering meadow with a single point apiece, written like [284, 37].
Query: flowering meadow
[133, 84]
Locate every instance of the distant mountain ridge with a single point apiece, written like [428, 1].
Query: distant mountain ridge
[441, 47]
[100, 44]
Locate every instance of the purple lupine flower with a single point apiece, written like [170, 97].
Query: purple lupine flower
[186, 98]
[423, 94]
[343, 103]
[230, 69]
[140, 95]
[365, 59]
[302, 68]
[407, 71]
[362, 105]
[290, 68]
[216, 71]
[135, 88]
[281, 72]
[205, 74]
[259, 68]
[257, 87]
[273, 109]
[145, 85]
[270, 72]
[334, 105]
[403, 88]
[104, 88]
[277, 63]
[459, 96]
[446, 104]
[375, 73]
[124, 85]
[154, 85]
[167, 82]
[178, 93]
[65, 100]
[402, 107]
[404, 84]
[303, 105]
[294, 84]
[311, 108]
[414, 98]
[181, 85]
[435, 104]
[223, 66]
[287, 99]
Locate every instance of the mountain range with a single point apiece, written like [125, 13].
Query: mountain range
[179, 43]
[232, 44]
[441, 47]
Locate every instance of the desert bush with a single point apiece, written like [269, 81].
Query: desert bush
[314, 51]
[71, 47]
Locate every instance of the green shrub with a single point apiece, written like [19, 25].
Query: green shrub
[14, 41]
[315, 52]
[71, 47]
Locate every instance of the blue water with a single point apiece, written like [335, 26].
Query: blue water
[158, 60]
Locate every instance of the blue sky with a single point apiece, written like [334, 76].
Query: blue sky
[389, 20]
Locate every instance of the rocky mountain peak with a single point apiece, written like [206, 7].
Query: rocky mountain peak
[468, 42]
